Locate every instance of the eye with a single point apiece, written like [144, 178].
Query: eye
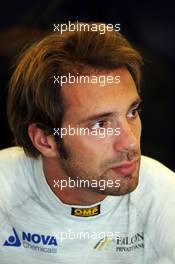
[99, 124]
[133, 113]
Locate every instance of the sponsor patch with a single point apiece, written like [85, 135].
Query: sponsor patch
[86, 212]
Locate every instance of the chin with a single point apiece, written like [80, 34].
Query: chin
[127, 185]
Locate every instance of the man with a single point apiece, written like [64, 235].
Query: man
[76, 189]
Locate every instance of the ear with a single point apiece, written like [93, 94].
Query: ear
[45, 144]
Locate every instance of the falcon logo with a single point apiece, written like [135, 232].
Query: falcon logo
[104, 243]
[86, 212]
[122, 243]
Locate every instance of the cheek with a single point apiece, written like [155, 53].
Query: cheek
[139, 128]
[136, 128]
[89, 148]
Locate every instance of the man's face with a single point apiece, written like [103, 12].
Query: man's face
[110, 158]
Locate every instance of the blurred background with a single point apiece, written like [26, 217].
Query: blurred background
[149, 26]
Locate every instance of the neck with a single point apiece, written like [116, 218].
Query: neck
[77, 196]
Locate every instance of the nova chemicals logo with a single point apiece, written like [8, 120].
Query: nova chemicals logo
[33, 241]
[13, 240]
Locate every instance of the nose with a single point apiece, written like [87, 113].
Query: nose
[127, 140]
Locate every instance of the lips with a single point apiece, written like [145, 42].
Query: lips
[125, 168]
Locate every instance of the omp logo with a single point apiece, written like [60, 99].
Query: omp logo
[13, 240]
[86, 212]
[33, 241]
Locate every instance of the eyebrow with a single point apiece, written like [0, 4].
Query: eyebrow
[136, 102]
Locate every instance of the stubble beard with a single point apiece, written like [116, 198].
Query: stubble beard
[76, 170]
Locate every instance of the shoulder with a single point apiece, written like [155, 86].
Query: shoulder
[150, 165]
[154, 173]
[156, 187]
[154, 199]
[16, 171]
[13, 163]
[10, 154]
[154, 179]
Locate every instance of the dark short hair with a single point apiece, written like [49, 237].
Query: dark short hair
[33, 97]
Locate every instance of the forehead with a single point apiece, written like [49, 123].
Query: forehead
[89, 98]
